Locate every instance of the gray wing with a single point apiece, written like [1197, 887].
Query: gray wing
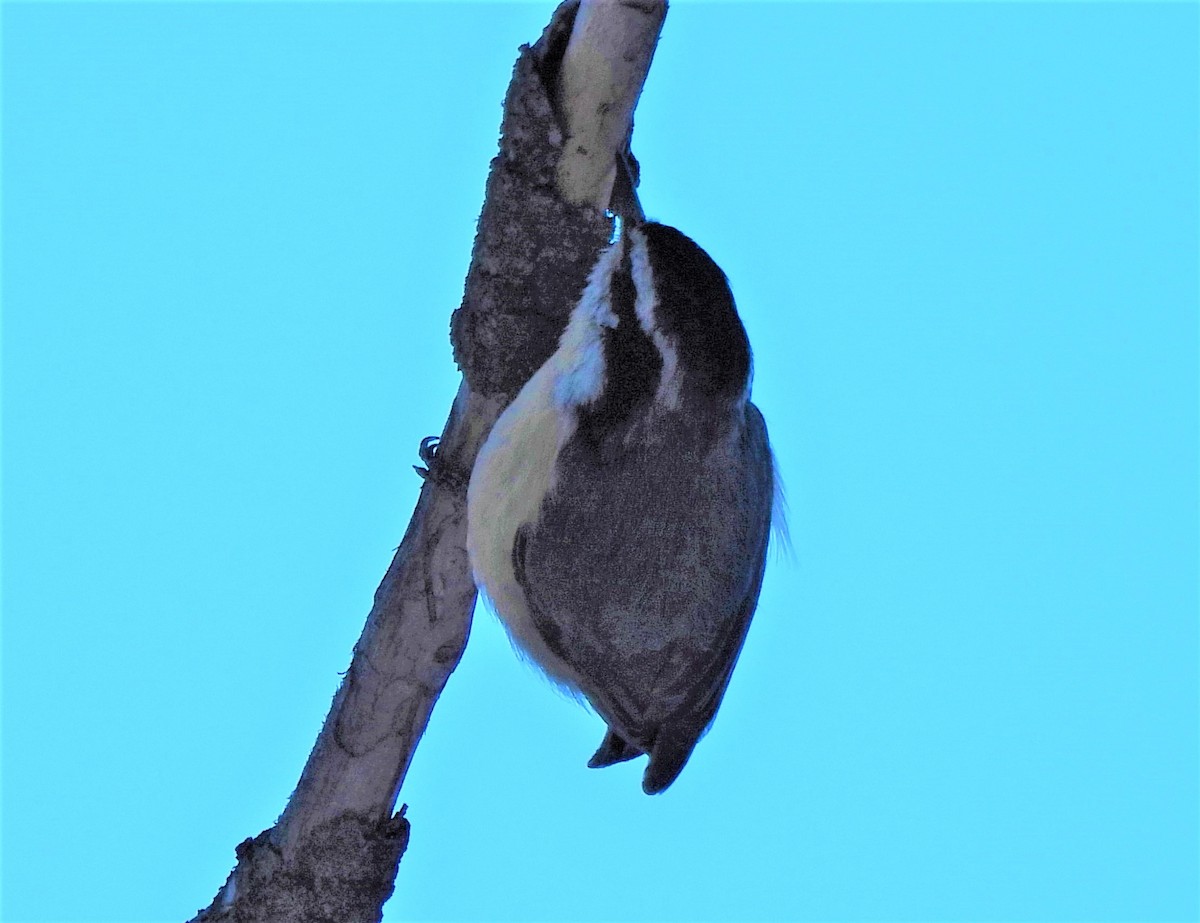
[705, 688]
[644, 576]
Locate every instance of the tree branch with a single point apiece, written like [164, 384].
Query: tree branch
[333, 853]
[602, 74]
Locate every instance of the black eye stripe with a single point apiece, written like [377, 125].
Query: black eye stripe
[632, 363]
[695, 309]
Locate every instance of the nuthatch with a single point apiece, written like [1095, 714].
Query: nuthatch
[619, 511]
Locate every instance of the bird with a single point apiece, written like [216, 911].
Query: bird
[619, 511]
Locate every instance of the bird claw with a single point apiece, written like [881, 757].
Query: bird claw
[437, 469]
[428, 454]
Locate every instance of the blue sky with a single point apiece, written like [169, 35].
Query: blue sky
[963, 238]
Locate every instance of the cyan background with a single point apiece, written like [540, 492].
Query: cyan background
[964, 241]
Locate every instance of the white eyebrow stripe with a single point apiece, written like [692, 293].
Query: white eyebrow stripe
[645, 305]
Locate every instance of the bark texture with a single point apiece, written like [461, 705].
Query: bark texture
[334, 852]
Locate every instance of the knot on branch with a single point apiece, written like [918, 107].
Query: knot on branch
[341, 872]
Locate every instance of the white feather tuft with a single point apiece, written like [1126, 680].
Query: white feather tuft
[579, 361]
